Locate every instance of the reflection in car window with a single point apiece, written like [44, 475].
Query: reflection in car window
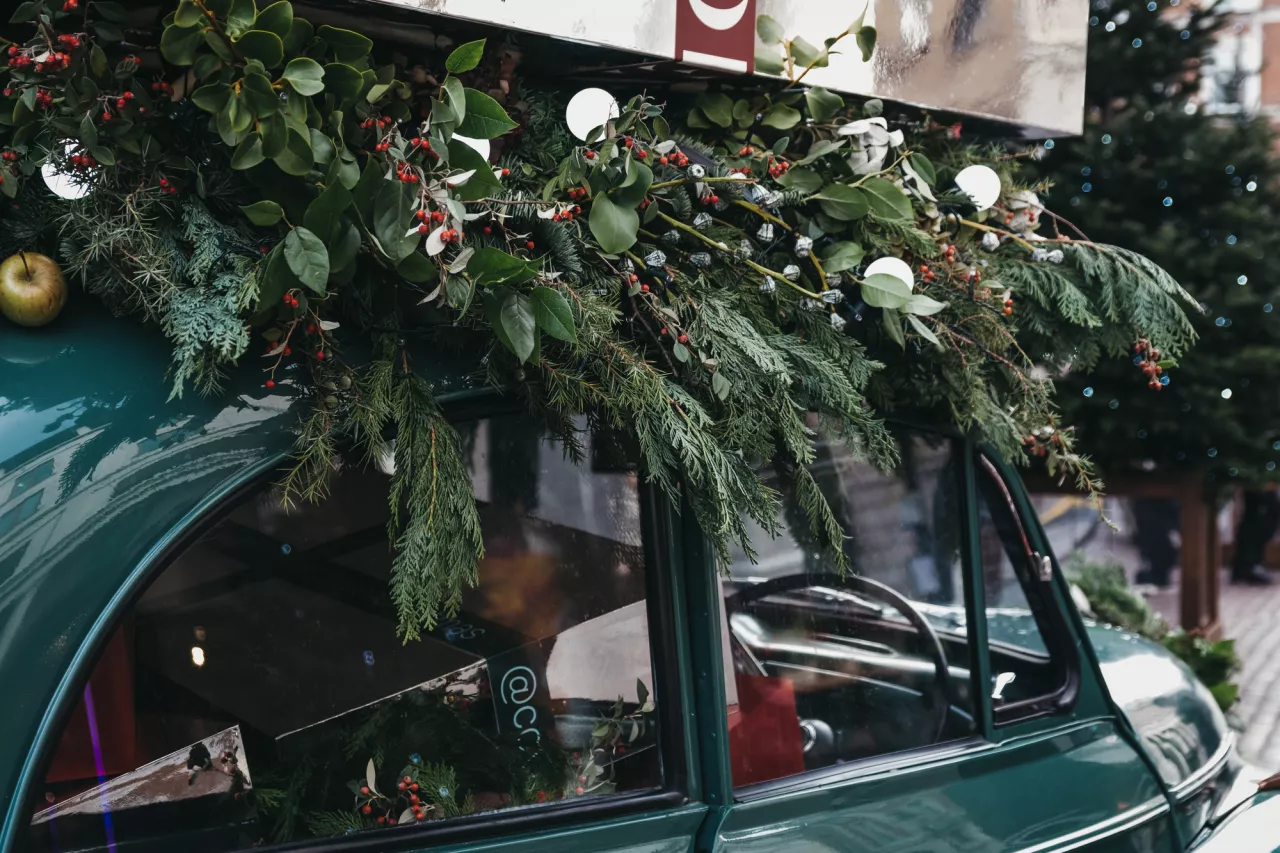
[1021, 665]
[257, 692]
[824, 668]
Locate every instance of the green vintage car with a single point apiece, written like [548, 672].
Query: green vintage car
[189, 665]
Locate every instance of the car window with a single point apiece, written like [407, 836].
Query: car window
[828, 668]
[1021, 618]
[257, 693]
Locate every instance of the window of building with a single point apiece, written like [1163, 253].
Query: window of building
[257, 693]
[827, 668]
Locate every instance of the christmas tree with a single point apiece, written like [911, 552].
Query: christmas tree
[1198, 193]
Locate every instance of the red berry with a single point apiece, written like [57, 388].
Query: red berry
[642, 154]
[382, 819]
[663, 331]
[413, 798]
[288, 351]
[663, 160]
[420, 215]
[366, 809]
[529, 245]
[128, 96]
[488, 230]
[311, 328]
[684, 339]
[320, 355]
[644, 288]
[287, 299]
[424, 229]
[413, 787]
[630, 141]
[579, 790]
[506, 172]
[164, 182]
[271, 383]
[591, 155]
[364, 789]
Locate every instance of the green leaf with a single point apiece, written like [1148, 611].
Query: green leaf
[891, 321]
[277, 279]
[262, 45]
[205, 65]
[248, 153]
[113, 12]
[635, 187]
[392, 215]
[308, 259]
[342, 81]
[802, 180]
[681, 352]
[457, 101]
[259, 95]
[347, 46]
[105, 156]
[324, 216]
[924, 331]
[188, 14]
[465, 57]
[219, 45]
[885, 291]
[418, 268]
[781, 117]
[276, 18]
[275, 136]
[485, 117]
[924, 168]
[322, 148]
[887, 199]
[305, 75]
[240, 17]
[822, 104]
[88, 131]
[806, 55]
[344, 247]
[238, 114]
[923, 305]
[843, 202]
[490, 267]
[553, 314]
[717, 106]
[518, 324]
[300, 34]
[465, 158]
[769, 30]
[614, 227]
[178, 45]
[769, 63]
[97, 61]
[296, 157]
[211, 98]
[842, 256]
[866, 38]
[721, 387]
[263, 213]
[25, 12]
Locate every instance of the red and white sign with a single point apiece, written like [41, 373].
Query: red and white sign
[717, 33]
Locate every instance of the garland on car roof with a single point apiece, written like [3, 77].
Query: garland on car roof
[699, 273]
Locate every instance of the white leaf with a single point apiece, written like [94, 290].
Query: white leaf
[471, 217]
[665, 147]
[413, 230]
[406, 816]
[276, 349]
[896, 138]
[371, 775]
[329, 325]
[925, 331]
[434, 244]
[548, 212]
[861, 126]
[923, 305]
[430, 297]
[738, 176]
[460, 179]
[460, 263]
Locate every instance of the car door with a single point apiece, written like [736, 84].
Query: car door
[933, 700]
[254, 692]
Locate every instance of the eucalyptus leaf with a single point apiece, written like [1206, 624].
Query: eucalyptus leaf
[345, 246]
[842, 256]
[885, 291]
[342, 81]
[614, 227]
[324, 216]
[866, 38]
[263, 213]
[717, 106]
[296, 158]
[248, 153]
[769, 30]
[924, 331]
[822, 104]
[301, 32]
[769, 63]
[923, 305]
[887, 199]
[802, 180]
[392, 212]
[187, 15]
[843, 202]
[806, 55]
[924, 168]
[891, 322]
[518, 324]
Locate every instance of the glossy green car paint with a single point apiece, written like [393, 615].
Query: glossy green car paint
[100, 475]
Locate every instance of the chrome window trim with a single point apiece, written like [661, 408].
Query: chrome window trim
[1191, 785]
[1153, 808]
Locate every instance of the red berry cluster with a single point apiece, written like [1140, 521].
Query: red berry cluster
[975, 275]
[123, 100]
[566, 215]
[1038, 447]
[1149, 363]
[709, 198]
[9, 156]
[70, 5]
[747, 151]
[777, 168]
[69, 40]
[577, 193]
[382, 146]
[451, 235]
[927, 275]
[82, 161]
[406, 173]
[679, 159]
[1031, 216]
[1008, 305]
[168, 188]
[948, 252]
[746, 170]
[160, 87]
[381, 122]
[290, 301]
[44, 99]
[18, 60]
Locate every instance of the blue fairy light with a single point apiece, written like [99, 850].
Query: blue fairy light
[1226, 393]
[1151, 7]
[1093, 21]
[1213, 451]
[1164, 380]
[444, 792]
[1106, 139]
[415, 758]
[1186, 34]
[1088, 392]
[1049, 143]
[1113, 405]
[286, 549]
[1137, 359]
[1231, 170]
[1142, 433]
[1086, 171]
[1266, 309]
[368, 658]
[1231, 239]
[1271, 466]
[1168, 201]
[1110, 27]
[1136, 42]
[1275, 445]
[1086, 187]
[1244, 279]
[1251, 186]
[1220, 322]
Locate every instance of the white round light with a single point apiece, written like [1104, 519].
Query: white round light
[980, 183]
[895, 267]
[66, 185]
[590, 109]
[480, 145]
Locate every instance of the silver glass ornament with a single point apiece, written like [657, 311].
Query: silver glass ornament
[835, 279]
[990, 242]
[745, 248]
[671, 238]
[765, 232]
[697, 172]
[804, 246]
[808, 304]
[656, 258]
[791, 272]
[837, 322]
[702, 221]
[627, 266]
[768, 287]
[832, 297]
[1056, 256]
[702, 260]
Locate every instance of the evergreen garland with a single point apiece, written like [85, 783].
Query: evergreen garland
[695, 274]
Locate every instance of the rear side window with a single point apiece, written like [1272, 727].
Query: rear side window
[256, 693]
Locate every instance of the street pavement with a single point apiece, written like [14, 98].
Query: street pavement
[1249, 616]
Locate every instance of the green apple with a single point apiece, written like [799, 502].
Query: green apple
[32, 289]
